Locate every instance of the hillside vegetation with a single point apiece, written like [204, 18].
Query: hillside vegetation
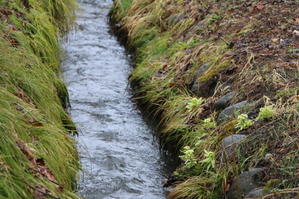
[223, 78]
[37, 157]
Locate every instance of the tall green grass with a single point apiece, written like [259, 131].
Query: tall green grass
[31, 102]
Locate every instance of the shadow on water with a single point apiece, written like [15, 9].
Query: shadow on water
[120, 156]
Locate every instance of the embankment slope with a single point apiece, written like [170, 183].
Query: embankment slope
[37, 157]
[223, 76]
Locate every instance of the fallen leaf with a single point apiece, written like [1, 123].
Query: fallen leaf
[26, 150]
[296, 32]
[260, 6]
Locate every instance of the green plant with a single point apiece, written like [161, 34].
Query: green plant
[209, 159]
[188, 157]
[243, 122]
[209, 123]
[194, 102]
[266, 113]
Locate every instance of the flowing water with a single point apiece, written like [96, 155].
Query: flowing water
[119, 154]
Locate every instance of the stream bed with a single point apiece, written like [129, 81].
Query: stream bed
[120, 156]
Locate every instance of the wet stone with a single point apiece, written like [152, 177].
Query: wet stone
[229, 111]
[224, 100]
[256, 193]
[203, 68]
[244, 184]
[229, 145]
[169, 189]
[203, 89]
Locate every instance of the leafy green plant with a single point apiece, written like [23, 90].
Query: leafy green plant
[266, 113]
[243, 122]
[209, 159]
[188, 157]
[194, 102]
[209, 123]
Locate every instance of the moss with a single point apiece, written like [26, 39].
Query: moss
[36, 153]
[229, 127]
[214, 70]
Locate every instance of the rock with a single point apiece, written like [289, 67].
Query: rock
[169, 189]
[244, 184]
[224, 100]
[229, 111]
[174, 19]
[230, 143]
[203, 68]
[256, 193]
[203, 89]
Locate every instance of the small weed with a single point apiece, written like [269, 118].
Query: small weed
[243, 122]
[188, 157]
[194, 102]
[209, 160]
[266, 113]
[209, 123]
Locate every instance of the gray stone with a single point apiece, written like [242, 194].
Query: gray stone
[174, 19]
[256, 193]
[203, 89]
[244, 184]
[203, 68]
[229, 111]
[229, 145]
[224, 100]
[169, 189]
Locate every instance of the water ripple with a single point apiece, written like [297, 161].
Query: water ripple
[119, 155]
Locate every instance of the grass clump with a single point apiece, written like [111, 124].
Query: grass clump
[38, 158]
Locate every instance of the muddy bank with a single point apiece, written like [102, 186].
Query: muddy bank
[224, 78]
[37, 157]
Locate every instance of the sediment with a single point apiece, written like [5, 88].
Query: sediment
[38, 158]
[222, 77]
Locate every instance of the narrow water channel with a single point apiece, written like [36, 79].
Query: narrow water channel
[119, 154]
